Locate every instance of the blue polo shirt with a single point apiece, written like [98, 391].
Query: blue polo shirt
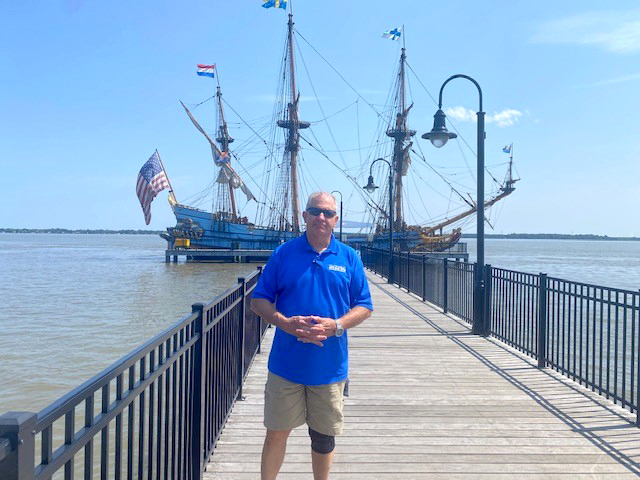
[301, 281]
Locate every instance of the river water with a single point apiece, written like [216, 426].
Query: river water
[74, 304]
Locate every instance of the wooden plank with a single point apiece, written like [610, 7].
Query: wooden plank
[430, 400]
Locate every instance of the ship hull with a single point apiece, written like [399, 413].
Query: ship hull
[207, 230]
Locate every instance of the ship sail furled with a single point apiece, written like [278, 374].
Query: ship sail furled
[286, 215]
[227, 175]
[402, 143]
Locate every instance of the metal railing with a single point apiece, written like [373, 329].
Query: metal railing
[160, 409]
[588, 333]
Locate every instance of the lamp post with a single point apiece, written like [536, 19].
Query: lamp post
[370, 187]
[336, 191]
[439, 137]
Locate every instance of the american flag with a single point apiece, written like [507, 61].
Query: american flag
[151, 181]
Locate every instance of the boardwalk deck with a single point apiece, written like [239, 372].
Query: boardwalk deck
[430, 401]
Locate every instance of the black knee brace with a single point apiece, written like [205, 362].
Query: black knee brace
[322, 443]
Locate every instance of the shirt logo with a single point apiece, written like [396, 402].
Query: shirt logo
[338, 268]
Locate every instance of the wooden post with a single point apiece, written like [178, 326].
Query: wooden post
[18, 429]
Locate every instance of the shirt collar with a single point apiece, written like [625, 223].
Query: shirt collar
[306, 246]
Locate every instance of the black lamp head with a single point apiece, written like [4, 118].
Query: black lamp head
[439, 135]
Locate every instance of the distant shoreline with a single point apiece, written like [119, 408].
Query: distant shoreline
[509, 236]
[81, 231]
[552, 236]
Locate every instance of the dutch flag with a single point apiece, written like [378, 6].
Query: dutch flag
[206, 70]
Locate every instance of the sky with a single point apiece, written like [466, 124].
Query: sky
[90, 89]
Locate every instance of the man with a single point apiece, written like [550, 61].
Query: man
[312, 289]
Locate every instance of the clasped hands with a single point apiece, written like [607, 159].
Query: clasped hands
[311, 329]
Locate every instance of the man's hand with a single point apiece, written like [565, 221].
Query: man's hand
[306, 329]
[317, 329]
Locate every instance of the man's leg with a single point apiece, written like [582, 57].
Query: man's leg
[273, 450]
[324, 417]
[321, 454]
[284, 410]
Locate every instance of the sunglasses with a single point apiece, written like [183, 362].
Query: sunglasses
[315, 211]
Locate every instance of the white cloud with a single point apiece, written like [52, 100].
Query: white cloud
[616, 32]
[461, 114]
[505, 118]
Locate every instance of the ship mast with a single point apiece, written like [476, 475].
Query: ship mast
[293, 124]
[400, 134]
[224, 139]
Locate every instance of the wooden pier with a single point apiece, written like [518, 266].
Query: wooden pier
[428, 400]
[217, 255]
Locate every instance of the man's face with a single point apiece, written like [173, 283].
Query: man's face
[320, 224]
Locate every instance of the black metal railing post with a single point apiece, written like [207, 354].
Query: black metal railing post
[445, 285]
[260, 318]
[409, 272]
[424, 278]
[241, 335]
[199, 372]
[478, 299]
[542, 321]
[638, 367]
[19, 455]
[487, 301]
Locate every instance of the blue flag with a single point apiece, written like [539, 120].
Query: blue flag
[275, 3]
[507, 149]
[393, 34]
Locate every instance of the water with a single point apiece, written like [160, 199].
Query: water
[607, 263]
[74, 304]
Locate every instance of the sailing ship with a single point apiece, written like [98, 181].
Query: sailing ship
[225, 228]
[278, 217]
[416, 238]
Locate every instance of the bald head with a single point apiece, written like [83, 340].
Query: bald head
[317, 197]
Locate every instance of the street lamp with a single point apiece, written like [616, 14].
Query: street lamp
[370, 187]
[336, 191]
[439, 137]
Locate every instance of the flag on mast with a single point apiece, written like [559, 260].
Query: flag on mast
[206, 70]
[151, 180]
[393, 34]
[275, 3]
[507, 148]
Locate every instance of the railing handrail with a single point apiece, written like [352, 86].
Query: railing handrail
[185, 349]
[80, 393]
[547, 318]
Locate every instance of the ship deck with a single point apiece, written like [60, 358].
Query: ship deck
[428, 400]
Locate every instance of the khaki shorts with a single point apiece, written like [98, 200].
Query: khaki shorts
[288, 405]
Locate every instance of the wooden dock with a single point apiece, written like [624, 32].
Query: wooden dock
[217, 255]
[428, 400]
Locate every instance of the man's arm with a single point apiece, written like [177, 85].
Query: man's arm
[298, 326]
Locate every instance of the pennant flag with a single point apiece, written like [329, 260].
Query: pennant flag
[151, 181]
[393, 34]
[275, 3]
[206, 70]
[507, 149]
